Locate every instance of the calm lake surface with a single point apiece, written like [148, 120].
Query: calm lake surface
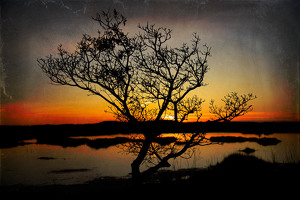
[44, 164]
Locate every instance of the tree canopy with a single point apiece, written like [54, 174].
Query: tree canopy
[139, 76]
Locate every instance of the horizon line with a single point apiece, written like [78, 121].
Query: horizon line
[187, 122]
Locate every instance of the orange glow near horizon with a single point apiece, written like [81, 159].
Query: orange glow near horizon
[27, 114]
[55, 105]
[50, 104]
[36, 114]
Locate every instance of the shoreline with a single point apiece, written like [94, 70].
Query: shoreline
[236, 170]
[114, 127]
[12, 136]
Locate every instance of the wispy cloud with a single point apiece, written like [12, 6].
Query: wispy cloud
[148, 102]
[3, 76]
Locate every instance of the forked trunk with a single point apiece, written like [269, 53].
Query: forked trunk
[135, 165]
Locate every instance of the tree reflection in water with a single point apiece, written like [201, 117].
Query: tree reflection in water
[155, 151]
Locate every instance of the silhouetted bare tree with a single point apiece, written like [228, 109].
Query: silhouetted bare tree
[235, 105]
[186, 107]
[142, 79]
[139, 76]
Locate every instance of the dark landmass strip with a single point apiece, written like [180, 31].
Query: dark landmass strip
[11, 136]
[46, 158]
[107, 142]
[114, 127]
[231, 139]
[97, 143]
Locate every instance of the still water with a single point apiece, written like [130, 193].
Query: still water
[44, 164]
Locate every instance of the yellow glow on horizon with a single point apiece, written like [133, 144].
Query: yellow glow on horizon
[80, 113]
[68, 105]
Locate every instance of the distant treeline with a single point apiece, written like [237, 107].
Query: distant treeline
[114, 127]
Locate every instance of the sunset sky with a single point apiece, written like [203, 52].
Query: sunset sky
[255, 49]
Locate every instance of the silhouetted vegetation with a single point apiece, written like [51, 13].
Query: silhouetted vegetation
[240, 171]
[230, 139]
[140, 76]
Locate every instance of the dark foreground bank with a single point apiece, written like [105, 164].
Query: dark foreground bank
[236, 173]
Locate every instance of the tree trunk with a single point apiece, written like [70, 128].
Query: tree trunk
[175, 112]
[136, 175]
[135, 165]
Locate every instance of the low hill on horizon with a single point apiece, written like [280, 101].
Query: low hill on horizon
[116, 127]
